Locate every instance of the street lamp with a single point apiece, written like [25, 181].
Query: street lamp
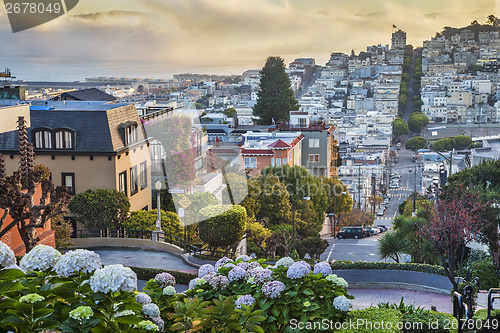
[293, 215]
[158, 187]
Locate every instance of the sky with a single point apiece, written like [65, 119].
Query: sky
[223, 36]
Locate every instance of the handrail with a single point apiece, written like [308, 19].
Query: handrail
[491, 299]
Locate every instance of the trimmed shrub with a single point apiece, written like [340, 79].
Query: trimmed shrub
[223, 225]
[424, 268]
[371, 320]
[482, 325]
[143, 220]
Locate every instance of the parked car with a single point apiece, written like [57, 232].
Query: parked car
[382, 227]
[380, 212]
[368, 232]
[351, 232]
[393, 185]
[375, 230]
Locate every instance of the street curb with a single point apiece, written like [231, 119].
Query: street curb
[397, 285]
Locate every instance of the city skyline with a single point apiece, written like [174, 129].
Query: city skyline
[225, 37]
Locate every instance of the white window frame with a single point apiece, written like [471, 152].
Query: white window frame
[313, 143]
[250, 162]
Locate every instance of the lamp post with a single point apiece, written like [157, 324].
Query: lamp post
[333, 216]
[158, 208]
[293, 215]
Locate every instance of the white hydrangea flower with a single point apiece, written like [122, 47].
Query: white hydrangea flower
[337, 280]
[40, 258]
[243, 257]
[285, 261]
[342, 303]
[151, 310]
[196, 282]
[31, 298]
[113, 278]
[237, 273]
[143, 298]
[7, 256]
[169, 291]
[78, 261]
[147, 325]
[222, 261]
[81, 313]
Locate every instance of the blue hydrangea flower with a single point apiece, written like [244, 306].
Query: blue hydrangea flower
[285, 261]
[323, 268]
[205, 269]
[297, 271]
[248, 300]
[222, 262]
[237, 273]
[273, 289]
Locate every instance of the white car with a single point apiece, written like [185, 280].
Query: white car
[380, 212]
[394, 185]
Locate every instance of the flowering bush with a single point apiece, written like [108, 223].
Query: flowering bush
[289, 290]
[78, 261]
[323, 268]
[205, 269]
[7, 257]
[40, 258]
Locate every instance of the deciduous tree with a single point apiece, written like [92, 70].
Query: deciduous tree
[455, 221]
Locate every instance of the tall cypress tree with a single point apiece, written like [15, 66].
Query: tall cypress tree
[275, 98]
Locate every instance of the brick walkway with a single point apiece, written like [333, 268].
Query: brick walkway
[364, 298]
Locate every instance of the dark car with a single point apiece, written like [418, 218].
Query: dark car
[351, 232]
[368, 232]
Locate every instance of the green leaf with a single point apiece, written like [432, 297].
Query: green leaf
[129, 320]
[7, 287]
[11, 274]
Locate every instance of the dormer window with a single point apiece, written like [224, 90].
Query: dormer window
[130, 134]
[64, 139]
[43, 138]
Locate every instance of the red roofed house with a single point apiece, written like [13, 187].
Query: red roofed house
[260, 150]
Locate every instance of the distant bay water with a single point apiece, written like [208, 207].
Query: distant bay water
[78, 70]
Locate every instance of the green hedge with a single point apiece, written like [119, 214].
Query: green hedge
[429, 322]
[371, 319]
[424, 268]
[150, 273]
[222, 225]
[480, 319]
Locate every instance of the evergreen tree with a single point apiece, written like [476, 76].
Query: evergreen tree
[275, 98]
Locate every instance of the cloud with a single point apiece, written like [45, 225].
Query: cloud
[233, 34]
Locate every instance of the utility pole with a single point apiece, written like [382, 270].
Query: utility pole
[359, 186]
[415, 189]
[373, 192]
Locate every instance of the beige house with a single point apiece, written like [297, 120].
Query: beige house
[86, 145]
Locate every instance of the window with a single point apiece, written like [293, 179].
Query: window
[64, 139]
[278, 162]
[122, 182]
[250, 162]
[43, 139]
[144, 175]
[284, 161]
[313, 157]
[272, 161]
[313, 143]
[133, 180]
[130, 134]
[68, 180]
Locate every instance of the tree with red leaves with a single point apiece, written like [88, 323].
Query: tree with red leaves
[454, 222]
[17, 194]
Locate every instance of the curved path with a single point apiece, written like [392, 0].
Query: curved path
[143, 258]
[362, 297]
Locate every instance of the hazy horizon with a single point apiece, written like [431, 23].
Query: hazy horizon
[155, 39]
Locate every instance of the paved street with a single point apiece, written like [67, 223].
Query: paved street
[366, 248]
